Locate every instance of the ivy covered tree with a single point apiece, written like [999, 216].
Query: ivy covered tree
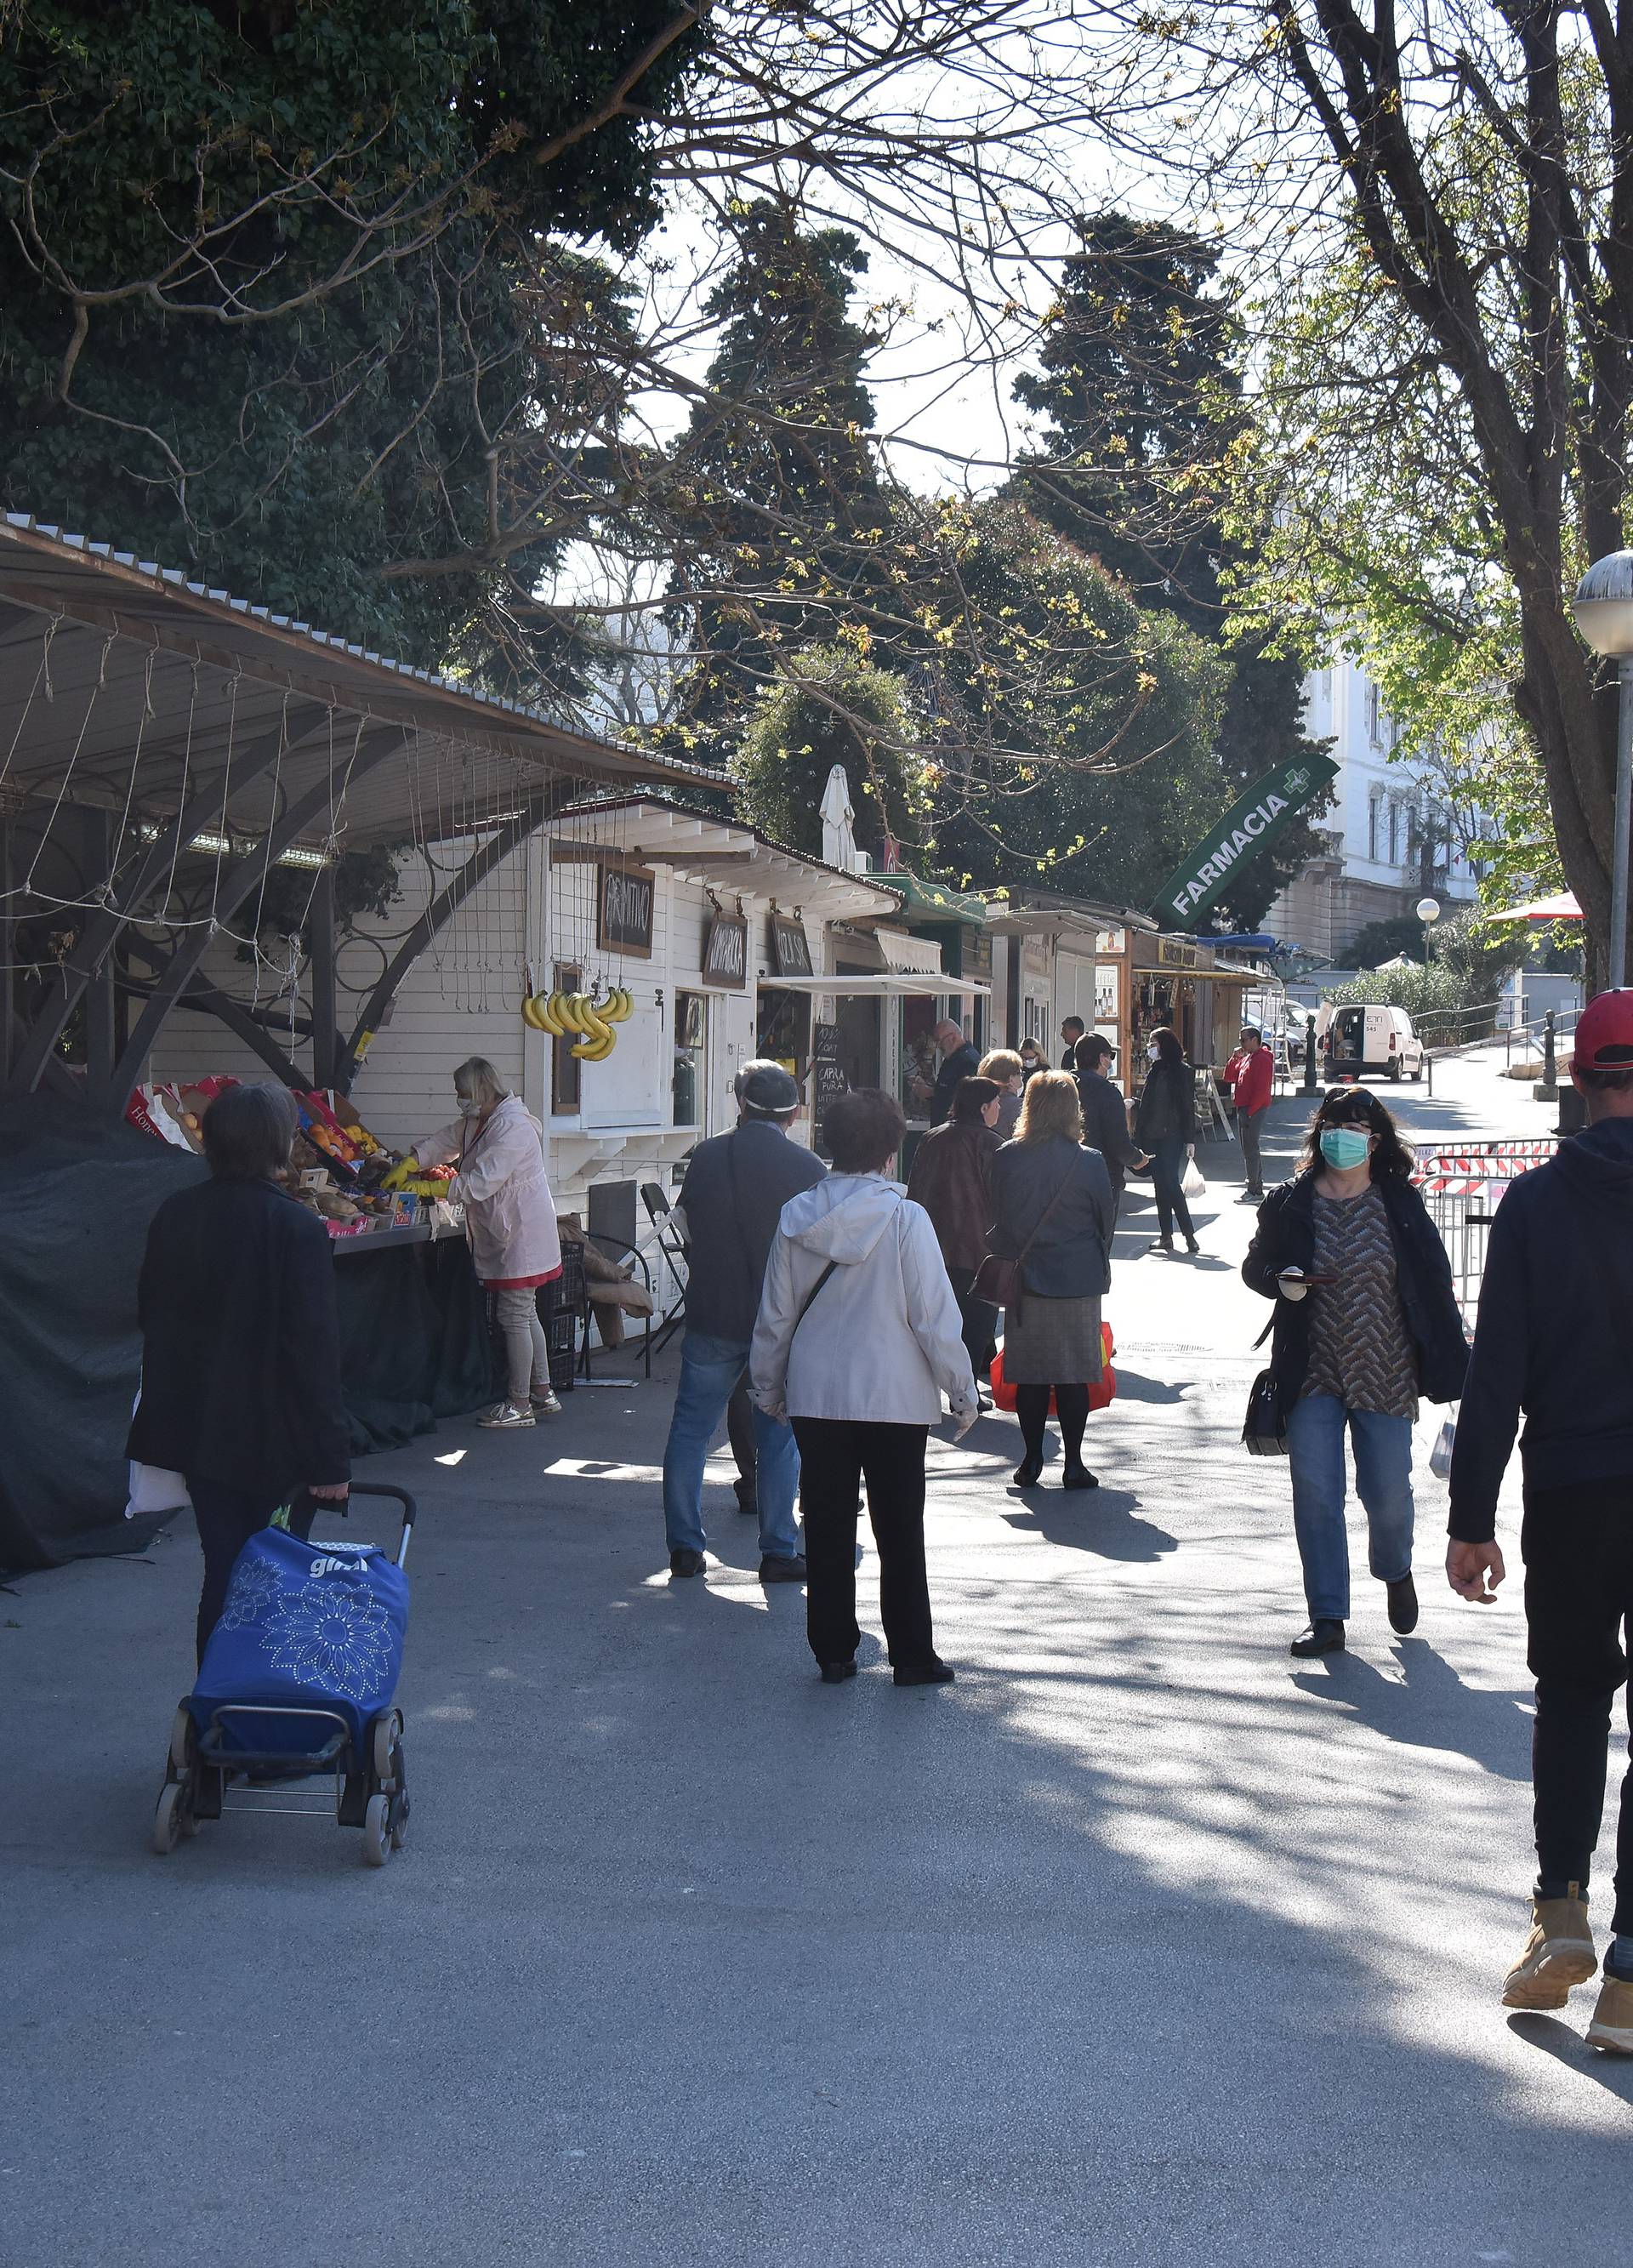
[1139, 389]
[833, 708]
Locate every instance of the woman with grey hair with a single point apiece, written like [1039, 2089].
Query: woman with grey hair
[497, 1147]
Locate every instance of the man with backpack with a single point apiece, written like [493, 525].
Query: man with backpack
[1555, 1340]
[735, 1188]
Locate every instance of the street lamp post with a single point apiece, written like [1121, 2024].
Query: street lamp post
[1428, 912]
[1603, 607]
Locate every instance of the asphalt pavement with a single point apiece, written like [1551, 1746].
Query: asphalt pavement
[1143, 1943]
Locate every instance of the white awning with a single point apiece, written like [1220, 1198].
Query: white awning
[894, 985]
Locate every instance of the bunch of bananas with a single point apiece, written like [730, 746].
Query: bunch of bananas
[560, 1013]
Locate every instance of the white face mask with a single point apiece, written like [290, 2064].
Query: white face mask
[1153, 1055]
[467, 1106]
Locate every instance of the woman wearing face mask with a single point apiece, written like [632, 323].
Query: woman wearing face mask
[1165, 1124]
[510, 1218]
[1365, 1322]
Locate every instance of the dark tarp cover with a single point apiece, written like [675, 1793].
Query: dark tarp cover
[77, 1190]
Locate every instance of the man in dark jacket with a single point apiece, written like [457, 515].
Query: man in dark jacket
[240, 1347]
[1106, 1114]
[952, 1178]
[960, 1058]
[735, 1188]
[1555, 1339]
[1071, 1031]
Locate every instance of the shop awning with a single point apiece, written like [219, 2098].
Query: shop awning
[721, 853]
[933, 901]
[893, 984]
[1562, 908]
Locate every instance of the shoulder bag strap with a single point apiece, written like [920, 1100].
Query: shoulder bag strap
[804, 1304]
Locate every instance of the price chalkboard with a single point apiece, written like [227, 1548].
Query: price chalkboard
[827, 1080]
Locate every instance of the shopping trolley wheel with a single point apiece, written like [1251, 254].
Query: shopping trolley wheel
[183, 1739]
[384, 1734]
[377, 1832]
[170, 1820]
[400, 1808]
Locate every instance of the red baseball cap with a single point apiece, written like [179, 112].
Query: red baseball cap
[1604, 1033]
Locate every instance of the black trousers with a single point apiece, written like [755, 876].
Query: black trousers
[739, 1431]
[227, 1517]
[835, 1454]
[1578, 1544]
[979, 1319]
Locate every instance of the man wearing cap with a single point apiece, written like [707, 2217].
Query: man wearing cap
[1555, 1340]
[735, 1188]
[1250, 1075]
[1104, 1114]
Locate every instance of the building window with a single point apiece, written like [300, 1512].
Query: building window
[1375, 812]
[1394, 834]
[1374, 729]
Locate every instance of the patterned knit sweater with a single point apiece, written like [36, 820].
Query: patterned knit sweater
[1360, 1349]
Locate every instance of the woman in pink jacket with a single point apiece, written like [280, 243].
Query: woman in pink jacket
[510, 1218]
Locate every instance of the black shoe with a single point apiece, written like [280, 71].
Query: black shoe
[925, 1672]
[1027, 1472]
[983, 1401]
[747, 1504]
[783, 1571]
[835, 1673]
[686, 1562]
[1403, 1605]
[1191, 1246]
[1078, 1476]
[1160, 1244]
[1324, 1636]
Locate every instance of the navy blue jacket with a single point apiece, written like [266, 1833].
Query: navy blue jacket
[735, 1188]
[1285, 1238]
[1555, 1337]
[1069, 1256]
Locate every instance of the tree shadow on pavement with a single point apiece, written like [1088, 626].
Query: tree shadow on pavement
[1556, 2037]
[1428, 1707]
[1101, 1521]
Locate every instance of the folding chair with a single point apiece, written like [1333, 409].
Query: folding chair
[660, 1212]
[615, 1249]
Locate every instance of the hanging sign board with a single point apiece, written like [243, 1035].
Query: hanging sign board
[725, 951]
[624, 910]
[827, 1080]
[1246, 829]
[790, 948]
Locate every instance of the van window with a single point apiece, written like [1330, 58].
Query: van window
[1349, 1031]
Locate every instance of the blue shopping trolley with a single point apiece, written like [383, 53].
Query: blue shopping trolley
[299, 1683]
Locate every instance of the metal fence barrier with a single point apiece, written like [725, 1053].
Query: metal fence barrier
[1462, 1188]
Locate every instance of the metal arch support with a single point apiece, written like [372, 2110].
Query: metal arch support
[441, 910]
[213, 1002]
[237, 883]
[206, 809]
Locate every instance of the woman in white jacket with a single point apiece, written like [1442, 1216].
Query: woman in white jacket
[510, 1218]
[857, 1338]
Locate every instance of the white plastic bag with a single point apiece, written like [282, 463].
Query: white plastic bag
[154, 1490]
[1440, 1456]
[1192, 1184]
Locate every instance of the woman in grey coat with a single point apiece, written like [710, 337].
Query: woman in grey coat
[1053, 1213]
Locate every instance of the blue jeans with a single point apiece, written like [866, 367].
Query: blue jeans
[709, 1368]
[1383, 1481]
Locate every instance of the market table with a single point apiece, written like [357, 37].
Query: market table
[414, 1342]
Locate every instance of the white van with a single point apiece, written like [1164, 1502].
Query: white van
[1360, 1040]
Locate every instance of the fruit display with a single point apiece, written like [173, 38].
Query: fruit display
[591, 1023]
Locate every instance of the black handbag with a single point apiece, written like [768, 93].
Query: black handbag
[1265, 1428]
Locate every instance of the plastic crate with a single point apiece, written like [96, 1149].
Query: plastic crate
[561, 1304]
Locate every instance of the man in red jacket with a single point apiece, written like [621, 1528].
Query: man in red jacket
[1249, 1073]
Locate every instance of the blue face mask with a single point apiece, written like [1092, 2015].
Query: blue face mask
[1345, 1146]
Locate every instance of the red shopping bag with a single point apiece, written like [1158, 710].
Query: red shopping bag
[1100, 1393]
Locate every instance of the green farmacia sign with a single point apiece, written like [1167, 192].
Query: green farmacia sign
[1244, 830]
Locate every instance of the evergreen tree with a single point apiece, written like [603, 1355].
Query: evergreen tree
[1138, 382]
[776, 475]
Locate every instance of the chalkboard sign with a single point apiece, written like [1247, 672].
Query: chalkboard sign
[624, 910]
[725, 951]
[790, 948]
[827, 1080]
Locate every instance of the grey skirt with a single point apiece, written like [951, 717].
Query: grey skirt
[1052, 1341]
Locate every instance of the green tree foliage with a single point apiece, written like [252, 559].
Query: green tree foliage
[1384, 940]
[1454, 994]
[1139, 381]
[1088, 759]
[773, 488]
[836, 708]
[271, 301]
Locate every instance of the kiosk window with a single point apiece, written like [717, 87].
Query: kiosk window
[691, 1030]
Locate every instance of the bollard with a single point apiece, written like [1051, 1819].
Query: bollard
[1309, 1056]
[1547, 1088]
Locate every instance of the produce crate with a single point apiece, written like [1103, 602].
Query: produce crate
[561, 1304]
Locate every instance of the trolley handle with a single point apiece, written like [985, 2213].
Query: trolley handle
[398, 1496]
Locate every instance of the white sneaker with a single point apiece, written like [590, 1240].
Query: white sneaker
[506, 1414]
[545, 1401]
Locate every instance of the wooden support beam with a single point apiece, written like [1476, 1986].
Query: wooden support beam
[321, 922]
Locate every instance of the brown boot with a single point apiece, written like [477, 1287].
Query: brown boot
[1612, 2028]
[1559, 1953]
